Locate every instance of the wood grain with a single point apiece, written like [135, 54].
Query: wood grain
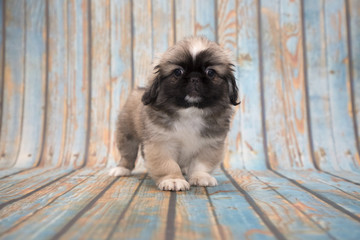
[19, 211]
[284, 88]
[77, 94]
[102, 218]
[62, 210]
[121, 72]
[143, 41]
[185, 18]
[56, 107]
[13, 82]
[205, 19]
[98, 151]
[288, 219]
[35, 85]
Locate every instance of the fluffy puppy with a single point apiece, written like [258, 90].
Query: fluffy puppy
[180, 121]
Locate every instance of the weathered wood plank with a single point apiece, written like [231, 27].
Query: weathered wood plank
[205, 19]
[143, 41]
[35, 85]
[288, 219]
[284, 88]
[2, 56]
[236, 217]
[354, 28]
[100, 84]
[6, 172]
[249, 137]
[19, 211]
[339, 83]
[331, 124]
[349, 202]
[185, 18]
[77, 92]
[162, 26]
[146, 216]
[63, 209]
[121, 66]
[56, 107]
[99, 221]
[30, 185]
[194, 218]
[336, 223]
[11, 127]
[21, 176]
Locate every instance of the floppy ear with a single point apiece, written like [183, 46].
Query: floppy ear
[152, 91]
[233, 89]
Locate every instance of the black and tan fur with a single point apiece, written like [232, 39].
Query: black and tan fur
[180, 121]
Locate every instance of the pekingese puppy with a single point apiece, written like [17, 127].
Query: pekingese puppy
[180, 121]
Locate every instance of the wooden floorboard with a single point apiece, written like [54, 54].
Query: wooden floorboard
[88, 204]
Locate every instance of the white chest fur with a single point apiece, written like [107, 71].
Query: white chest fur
[187, 131]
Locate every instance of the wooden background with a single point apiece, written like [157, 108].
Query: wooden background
[67, 67]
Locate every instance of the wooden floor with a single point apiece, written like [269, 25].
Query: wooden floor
[67, 67]
[45, 203]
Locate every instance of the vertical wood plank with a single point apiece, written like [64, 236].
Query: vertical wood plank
[284, 88]
[77, 79]
[227, 38]
[35, 84]
[184, 18]
[162, 26]
[205, 19]
[2, 56]
[354, 28]
[12, 108]
[100, 84]
[143, 41]
[327, 62]
[57, 109]
[121, 66]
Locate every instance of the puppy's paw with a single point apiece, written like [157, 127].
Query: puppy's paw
[119, 171]
[202, 179]
[174, 185]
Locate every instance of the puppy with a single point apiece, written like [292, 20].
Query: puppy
[180, 121]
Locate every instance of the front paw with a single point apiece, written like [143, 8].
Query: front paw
[119, 171]
[202, 179]
[174, 185]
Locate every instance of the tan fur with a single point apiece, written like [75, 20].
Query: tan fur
[170, 152]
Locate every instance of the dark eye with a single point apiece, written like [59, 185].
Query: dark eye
[178, 72]
[210, 73]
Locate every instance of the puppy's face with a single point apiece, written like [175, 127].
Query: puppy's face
[193, 73]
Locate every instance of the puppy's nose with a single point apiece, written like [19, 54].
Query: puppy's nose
[195, 80]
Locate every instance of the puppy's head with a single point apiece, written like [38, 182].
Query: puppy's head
[193, 73]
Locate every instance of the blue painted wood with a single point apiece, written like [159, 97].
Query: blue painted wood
[337, 224]
[339, 84]
[284, 88]
[185, 18]
[13, 82]
[99, 141]
[56, 104]
[249, 135]
[2, 45]
[205, 24]
[15, 213]
[35, 85]
[62, 210]
[77, 93]
[354, 28]
[143, 41]
[288, 219]
[235, 215]
[109, 208]
[121, 64]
